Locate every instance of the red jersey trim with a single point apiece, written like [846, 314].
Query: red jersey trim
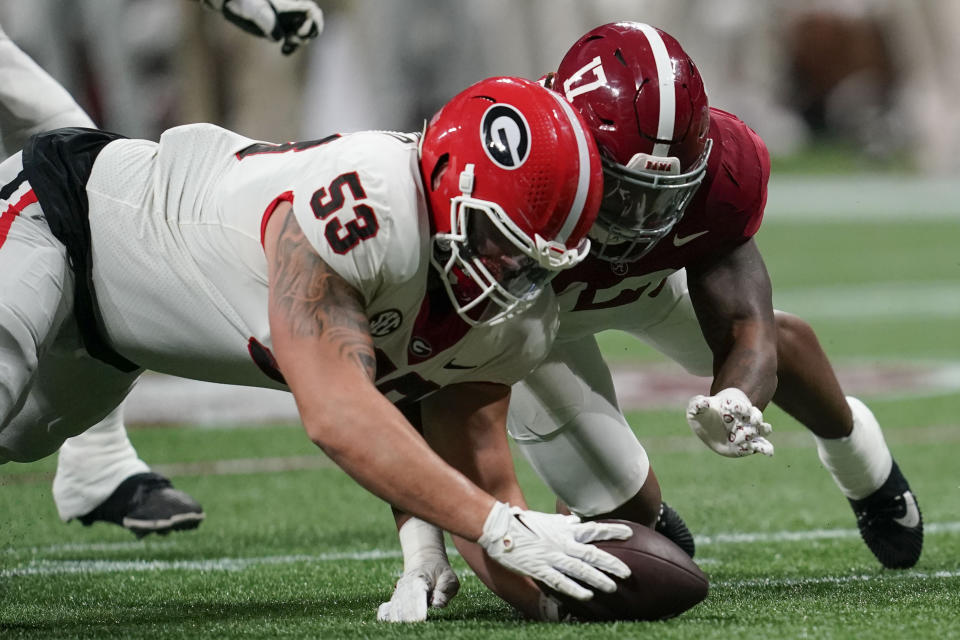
[8, 216]
[286, 196]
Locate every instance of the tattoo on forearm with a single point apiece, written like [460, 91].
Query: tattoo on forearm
[318, 302]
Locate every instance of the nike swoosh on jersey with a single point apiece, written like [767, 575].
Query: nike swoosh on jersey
[453, 365]
[679, 242]
[912, 517]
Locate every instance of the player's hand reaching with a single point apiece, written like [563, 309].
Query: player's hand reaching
[729, 424]
[427, 580]
[291, 21]
[553, 549]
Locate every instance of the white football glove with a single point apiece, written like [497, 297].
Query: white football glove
[291, 21]
[552, 548]
[427, 580]
[729, 424]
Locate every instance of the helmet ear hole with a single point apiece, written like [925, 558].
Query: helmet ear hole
[436, 176]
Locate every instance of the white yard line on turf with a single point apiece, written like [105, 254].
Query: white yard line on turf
[792, 582]
[42, 566]
[812, 534]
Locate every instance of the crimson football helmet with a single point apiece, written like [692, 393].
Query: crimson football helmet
[644, 101]
[513, 182]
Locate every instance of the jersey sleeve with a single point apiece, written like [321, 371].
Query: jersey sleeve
[361, 214]
[740, 183]
[729, 206]
[355, 198]
[754, 213]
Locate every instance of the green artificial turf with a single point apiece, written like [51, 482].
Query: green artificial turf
[298, 550]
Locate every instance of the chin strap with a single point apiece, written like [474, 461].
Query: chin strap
[466, 180]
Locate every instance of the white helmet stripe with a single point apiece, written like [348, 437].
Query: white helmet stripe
[668, 96]
[583, 180]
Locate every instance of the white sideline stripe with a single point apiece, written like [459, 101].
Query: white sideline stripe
[56, 567]
[219, 405]
[870, 198]
[43, 567]
[873, 302]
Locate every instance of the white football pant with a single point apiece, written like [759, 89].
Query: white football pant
[90, 468]
[565, 419]
[50, 388]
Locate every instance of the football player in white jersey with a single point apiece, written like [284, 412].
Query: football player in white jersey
[674, 264]
[359, 272]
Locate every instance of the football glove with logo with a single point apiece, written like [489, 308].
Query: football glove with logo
[553, 549]
[427, 580]
[729, 424]
[291, 21]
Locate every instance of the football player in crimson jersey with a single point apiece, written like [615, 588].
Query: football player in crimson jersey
[352, 270]
[674, 263]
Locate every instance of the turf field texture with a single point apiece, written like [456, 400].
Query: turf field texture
[292, 548]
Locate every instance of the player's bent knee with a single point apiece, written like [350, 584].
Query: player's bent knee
[594, 465]
[17, 366]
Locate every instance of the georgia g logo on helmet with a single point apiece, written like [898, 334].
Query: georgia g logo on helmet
[505, 135]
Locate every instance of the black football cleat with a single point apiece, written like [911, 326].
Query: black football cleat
[890, 522]
[147, 503]
[672, 526]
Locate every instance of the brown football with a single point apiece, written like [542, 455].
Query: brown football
[664, 581]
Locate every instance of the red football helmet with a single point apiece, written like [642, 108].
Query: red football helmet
[644, 101]
[513, 181]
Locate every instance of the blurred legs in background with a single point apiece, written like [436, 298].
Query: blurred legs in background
[99, 475]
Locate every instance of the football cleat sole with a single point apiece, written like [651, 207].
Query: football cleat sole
[163, 526]
[148, 503]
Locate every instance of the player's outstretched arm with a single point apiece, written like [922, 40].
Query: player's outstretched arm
[325, 352]
[466, 425]
[732, 297]
[292, 22]
[324, 349]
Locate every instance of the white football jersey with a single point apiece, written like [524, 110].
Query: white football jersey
[181, 277]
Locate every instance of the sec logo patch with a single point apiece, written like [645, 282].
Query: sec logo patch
[385, 322]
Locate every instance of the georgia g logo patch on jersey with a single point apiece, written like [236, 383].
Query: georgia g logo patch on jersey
[505, 135]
